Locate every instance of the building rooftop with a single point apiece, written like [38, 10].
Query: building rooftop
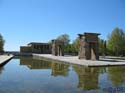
[92, 33]
[39, 43]
[86, 33]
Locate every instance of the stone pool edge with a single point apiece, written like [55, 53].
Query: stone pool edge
[4, 59]
[75, 60]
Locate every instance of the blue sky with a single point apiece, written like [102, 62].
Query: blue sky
[24, 21]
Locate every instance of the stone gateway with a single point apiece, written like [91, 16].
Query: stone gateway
[57, 48]
[88, 46]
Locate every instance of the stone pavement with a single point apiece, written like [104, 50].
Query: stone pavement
[75, 60]
[5, 58]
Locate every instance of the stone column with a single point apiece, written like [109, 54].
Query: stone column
[57, 48]
[88, 46]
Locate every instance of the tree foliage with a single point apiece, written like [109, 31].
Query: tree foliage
[69, 48]
[115, 45]
[72, 48]
[76, 45]
[116, 42]
[2, 41]
[65, 38]
[102, 47]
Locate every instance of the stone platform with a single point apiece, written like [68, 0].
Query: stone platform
[75, 60]
[4, 59]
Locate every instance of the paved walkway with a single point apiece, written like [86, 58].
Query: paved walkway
[5, 58]
[75, 60]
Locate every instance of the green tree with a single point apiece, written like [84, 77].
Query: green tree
[1, 43]
[72, 48]
[67, 48]
[116, 42]
[102, 47]
[65, 38]
[76, 45]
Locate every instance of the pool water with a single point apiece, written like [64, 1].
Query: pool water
[28, 75]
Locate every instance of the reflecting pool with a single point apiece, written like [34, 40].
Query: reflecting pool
[28, 75]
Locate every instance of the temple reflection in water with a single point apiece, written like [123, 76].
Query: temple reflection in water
[58, 69]
[35, 64]
[55, 76]
[88, 77]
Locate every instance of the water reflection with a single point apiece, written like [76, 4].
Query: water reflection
[88, 77]
[35, 64]
[117, 75]
[1, 70]
[58, 69]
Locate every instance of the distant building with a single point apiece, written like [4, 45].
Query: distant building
[35, 47]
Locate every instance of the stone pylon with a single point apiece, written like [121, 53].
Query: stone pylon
[88, 46]
[57, 48]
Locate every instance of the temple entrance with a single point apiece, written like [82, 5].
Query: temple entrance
[57, 48]
[92, 51]
[88, 46]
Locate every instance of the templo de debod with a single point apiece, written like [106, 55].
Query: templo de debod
[36, 47]
[88, 46]
[57, 48]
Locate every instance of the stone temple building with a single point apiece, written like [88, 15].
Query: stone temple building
[35, 47]
[57, 48]
[88, 46]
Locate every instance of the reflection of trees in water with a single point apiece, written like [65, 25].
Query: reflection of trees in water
[117, 75]
[88, 77]
[102, 70]
[60, 69]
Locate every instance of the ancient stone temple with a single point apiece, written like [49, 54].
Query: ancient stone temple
[88, 46]
[36, 47]
[57, 48]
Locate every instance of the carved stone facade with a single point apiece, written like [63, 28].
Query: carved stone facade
[35, 47]
[88, 46]
[57, 48]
